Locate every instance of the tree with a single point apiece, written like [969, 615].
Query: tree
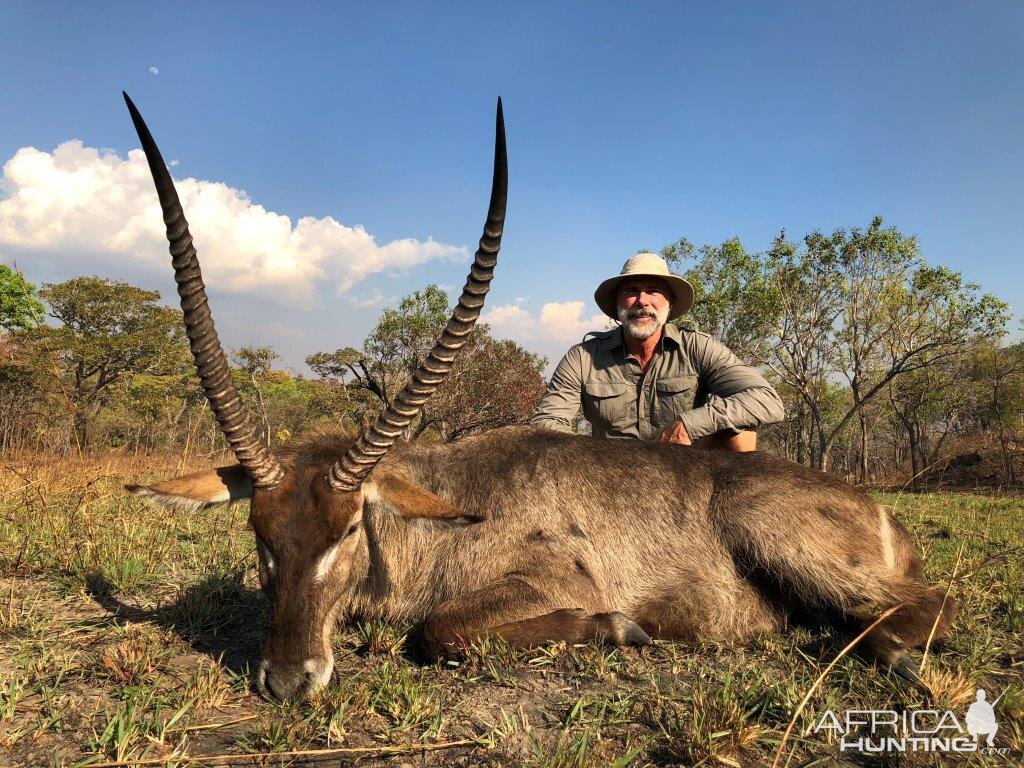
[795, 304]
[338, 365]
[145, 411]
[998, 374]
[255, 364]
[402, 338]
[108, 329]
[879, 312]
[19, 307]
[492, 383]
[732, 301]
[925, 404]
[857, 305]
[30, 395]
[32, 402]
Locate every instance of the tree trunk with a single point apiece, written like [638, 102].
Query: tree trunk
[81, 426]
[915, 457]
[1004, 449]
[801, 445]
[863, 448]
[820, 458]
[824, 451]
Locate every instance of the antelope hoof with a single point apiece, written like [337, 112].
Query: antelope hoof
[618, 629]
[904, 667]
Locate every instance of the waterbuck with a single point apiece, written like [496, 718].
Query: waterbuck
[532, 535]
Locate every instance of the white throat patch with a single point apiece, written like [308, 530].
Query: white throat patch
[325, 563]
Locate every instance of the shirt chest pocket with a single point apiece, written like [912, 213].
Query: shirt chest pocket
[674, 395]
[607, 403]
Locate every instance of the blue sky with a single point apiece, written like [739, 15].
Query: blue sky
[628, 127]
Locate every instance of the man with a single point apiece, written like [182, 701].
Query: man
[649, 380]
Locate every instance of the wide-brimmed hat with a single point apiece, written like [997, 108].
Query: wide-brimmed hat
[644, 265]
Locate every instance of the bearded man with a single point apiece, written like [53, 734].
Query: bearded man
[647, 379]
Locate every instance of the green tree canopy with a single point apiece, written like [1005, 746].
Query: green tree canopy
[859, 305]
[19, 307]
[492, 383]
[108, 329]
[732, 301]
[254, 365]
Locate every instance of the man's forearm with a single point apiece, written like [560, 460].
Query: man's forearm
[560, 405]
[547, 422]
[727, 440]
[739, 397]
[741, 411]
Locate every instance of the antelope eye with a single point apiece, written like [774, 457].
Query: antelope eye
[350, 530]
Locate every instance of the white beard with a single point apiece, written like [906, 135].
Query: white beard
[642, 330]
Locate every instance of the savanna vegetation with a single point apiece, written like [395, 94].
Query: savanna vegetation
[887, 365]
[893, 371]
[112, 370]
[128, 633]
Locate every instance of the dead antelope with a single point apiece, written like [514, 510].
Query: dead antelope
[531, 535]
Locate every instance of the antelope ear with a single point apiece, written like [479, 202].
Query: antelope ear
[412, 500]
[202, 489]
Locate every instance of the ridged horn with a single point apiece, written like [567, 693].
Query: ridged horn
[372, 445]
[233, 418]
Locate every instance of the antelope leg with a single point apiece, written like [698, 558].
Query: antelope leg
[524, 616]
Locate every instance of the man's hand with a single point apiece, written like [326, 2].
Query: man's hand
[675, 433]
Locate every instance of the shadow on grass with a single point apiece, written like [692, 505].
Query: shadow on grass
[218, 616]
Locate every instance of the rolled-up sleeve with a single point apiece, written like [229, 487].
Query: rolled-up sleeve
[737, 396]
[560, 405]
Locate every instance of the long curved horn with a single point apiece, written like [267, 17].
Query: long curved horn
[251, 452]
[371, 446]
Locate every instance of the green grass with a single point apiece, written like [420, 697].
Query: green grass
[127, 633]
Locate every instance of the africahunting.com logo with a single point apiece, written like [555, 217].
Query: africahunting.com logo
[916, 730]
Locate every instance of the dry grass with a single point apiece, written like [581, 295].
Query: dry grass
[127, 633]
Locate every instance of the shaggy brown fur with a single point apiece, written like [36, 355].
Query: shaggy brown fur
[538, 536]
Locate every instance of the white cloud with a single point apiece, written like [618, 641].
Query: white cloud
[79, 200]
[560, 322]
[510, 320]
[375, 299]
[154, 71]
[560, 325]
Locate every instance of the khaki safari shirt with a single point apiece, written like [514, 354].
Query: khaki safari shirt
[692, 377]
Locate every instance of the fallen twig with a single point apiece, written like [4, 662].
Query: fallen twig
[383, 749]
[214, 726]
[810, 691]
[942, 607]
